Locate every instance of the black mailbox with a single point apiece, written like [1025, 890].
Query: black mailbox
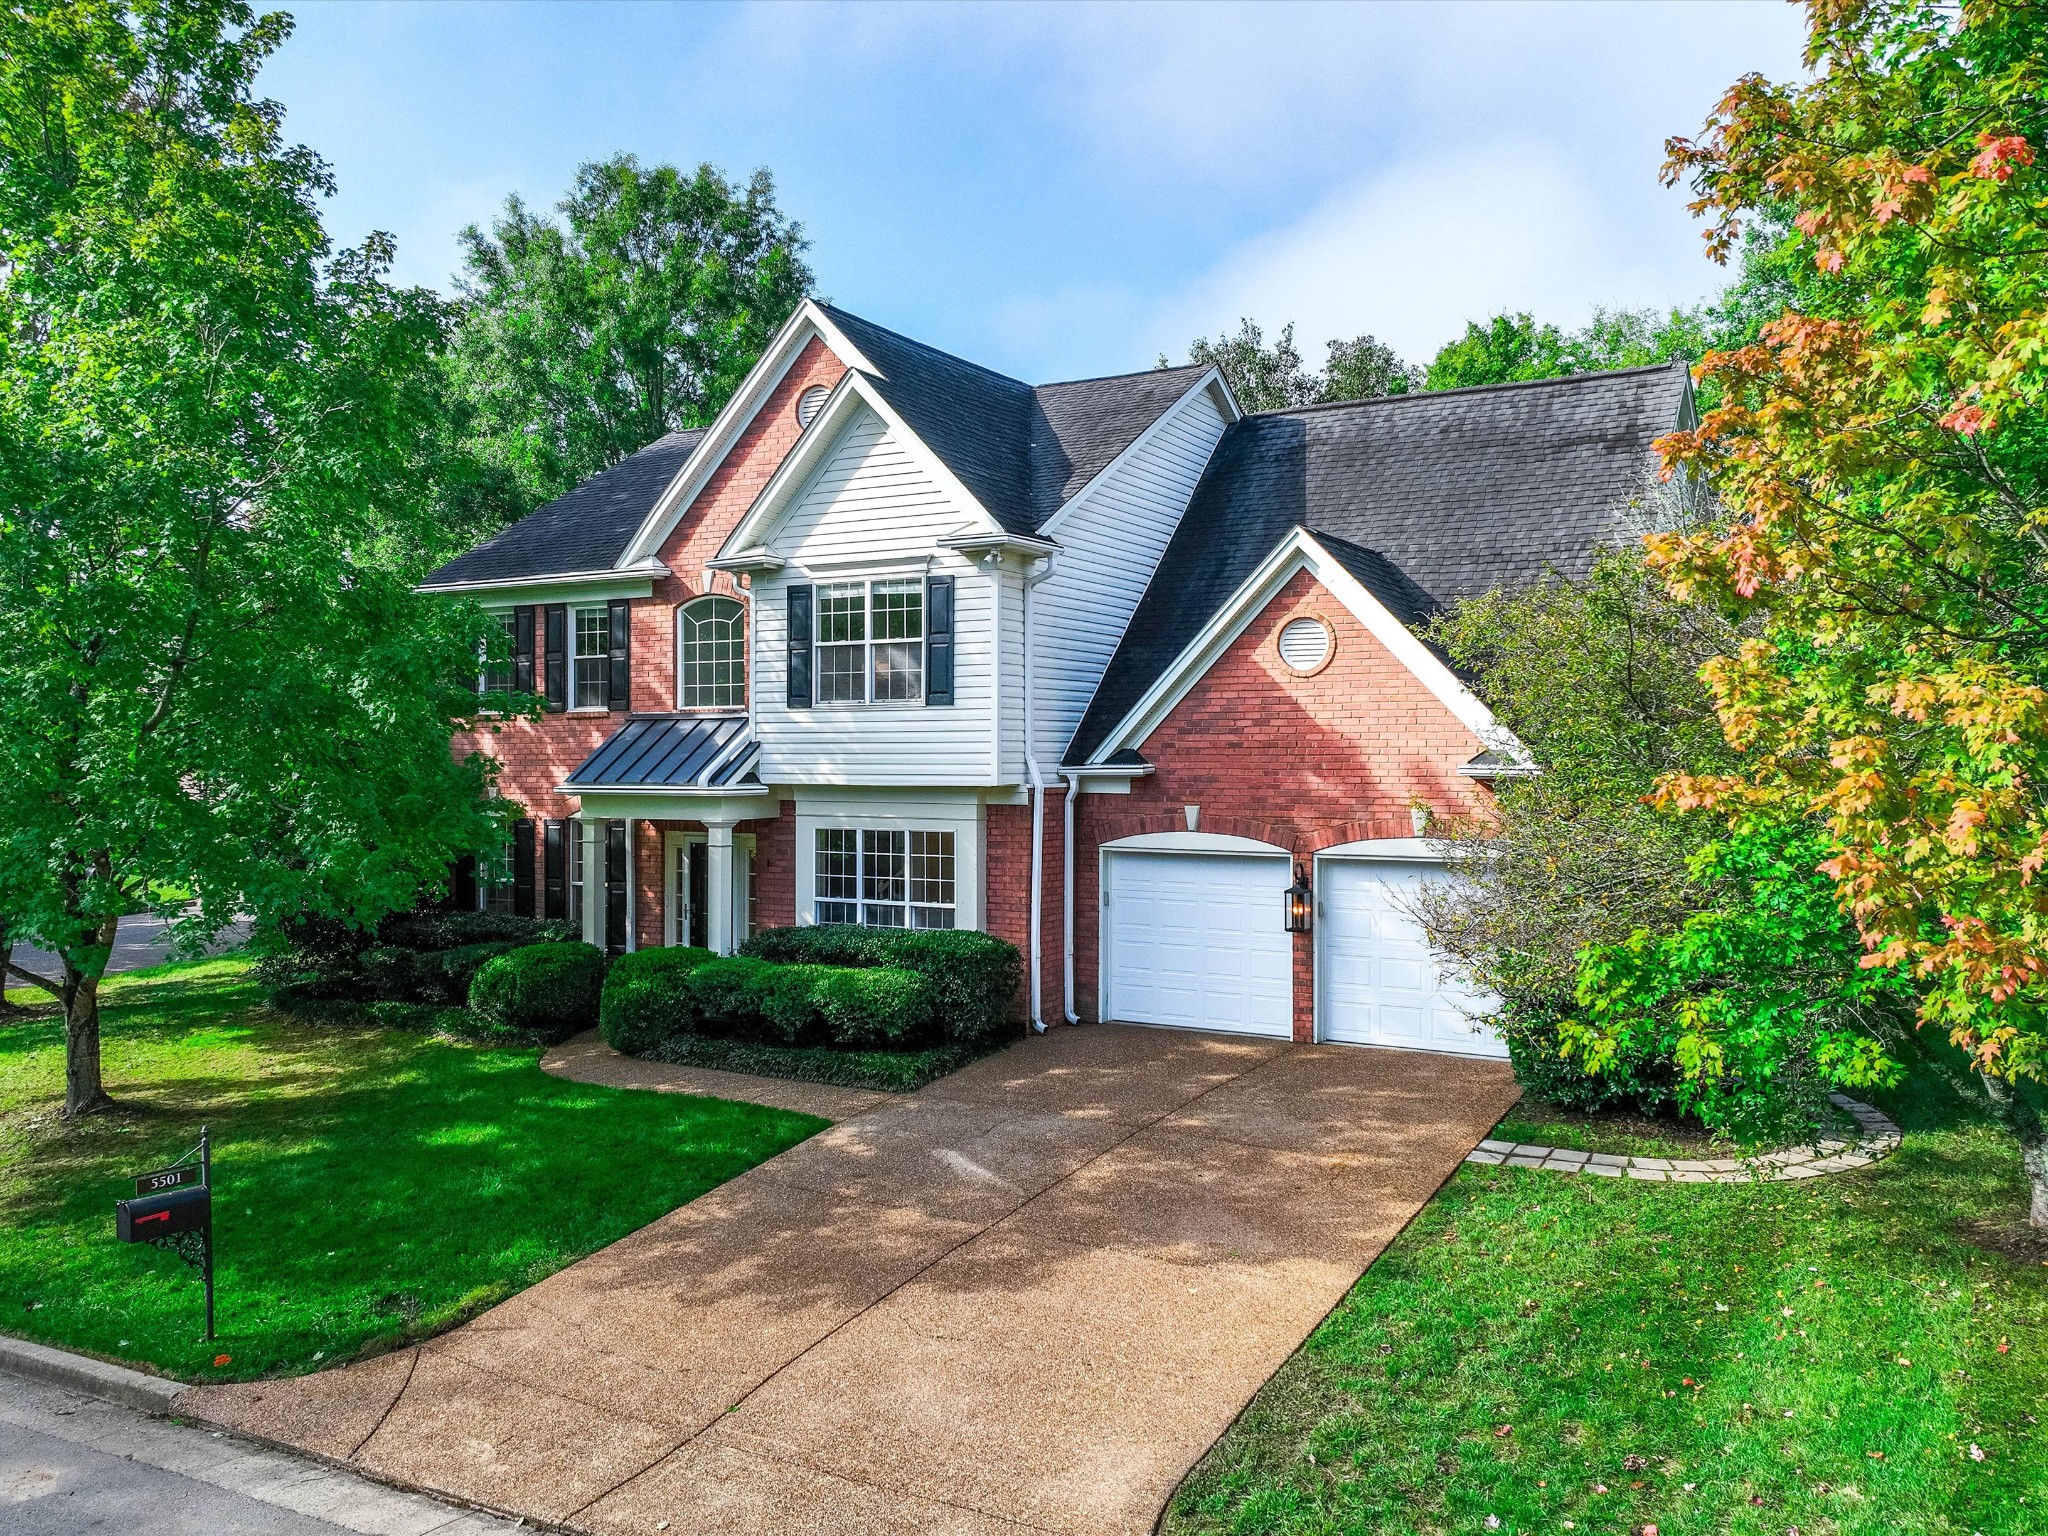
[166, 1215]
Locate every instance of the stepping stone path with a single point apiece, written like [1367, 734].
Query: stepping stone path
[1877, 1138]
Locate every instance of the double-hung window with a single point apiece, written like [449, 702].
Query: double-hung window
[497, 675]
[494, 879]
[590, 659]
[871, 642]
[575, 880]
[884, 877]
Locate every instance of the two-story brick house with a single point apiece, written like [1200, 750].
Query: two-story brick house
[1108, 668]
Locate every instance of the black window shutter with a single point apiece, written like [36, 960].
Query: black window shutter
[938, 640]
[556, 664]
[522, 649]
[622, 656]
[555, 870]
[522, 868]
[615, 887]
[800, 646]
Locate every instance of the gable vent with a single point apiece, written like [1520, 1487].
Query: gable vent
[1305, 644]
[809, 403]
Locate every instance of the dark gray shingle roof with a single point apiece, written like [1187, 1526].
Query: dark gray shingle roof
[1426, 498]
[1021, 451]
[586, 530]
[664, 751]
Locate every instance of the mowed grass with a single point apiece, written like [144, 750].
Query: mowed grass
[371, 1186]
[1598, 1356]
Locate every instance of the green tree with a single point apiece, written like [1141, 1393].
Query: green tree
[584, 341]
[1513, 347]
[214, 673]
[1274, 378]
[1883, 458]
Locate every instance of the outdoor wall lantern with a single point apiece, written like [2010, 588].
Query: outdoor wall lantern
[1300, 901]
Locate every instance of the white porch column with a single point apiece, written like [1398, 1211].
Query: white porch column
[718, 890]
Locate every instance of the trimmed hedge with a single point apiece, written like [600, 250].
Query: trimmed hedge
[426, 976]
[644, 996]
[689, 993]
[888, 1071]
[548, 991]
[972, 977]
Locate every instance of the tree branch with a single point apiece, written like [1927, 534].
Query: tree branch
[54, 988]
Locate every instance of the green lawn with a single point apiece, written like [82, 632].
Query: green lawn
[1747, 1359]
[370, 1185]
[1539, 1123]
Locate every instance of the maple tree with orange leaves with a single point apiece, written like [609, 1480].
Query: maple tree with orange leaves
[1881, 459]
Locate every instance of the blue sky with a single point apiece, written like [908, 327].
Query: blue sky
[1058, 191]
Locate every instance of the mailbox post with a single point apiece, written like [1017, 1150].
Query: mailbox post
[173, 1208]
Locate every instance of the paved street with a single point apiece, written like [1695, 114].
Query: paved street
[71, 1464]
[140, 943]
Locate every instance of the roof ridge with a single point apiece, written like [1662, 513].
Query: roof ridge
[1474, 389]
[1135, 373]
[924, 346]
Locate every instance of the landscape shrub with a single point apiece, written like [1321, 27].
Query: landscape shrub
[972, 977]
[649, 1001]
[645, 997]
[1638, 1080]
[324, 957]
[549, 990]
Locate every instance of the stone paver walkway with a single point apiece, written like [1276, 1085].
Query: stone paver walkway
[1025, 1298]
[1877, 1138]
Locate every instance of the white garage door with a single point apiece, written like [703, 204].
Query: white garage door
[1196, 940]
[1379, 979]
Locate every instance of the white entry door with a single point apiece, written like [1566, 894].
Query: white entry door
[1196, 940]
[1378, 978]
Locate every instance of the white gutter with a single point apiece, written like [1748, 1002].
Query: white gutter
[650, 570]
[1037, 777]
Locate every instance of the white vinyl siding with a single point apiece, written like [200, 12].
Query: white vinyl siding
[873, 513]
[1111, 539]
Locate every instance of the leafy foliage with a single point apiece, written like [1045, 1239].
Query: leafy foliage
[214, 673]
[637, 315]
[1883, 455]
[974, 977]
[1513, 347]
[549, 991]
[1273, 378]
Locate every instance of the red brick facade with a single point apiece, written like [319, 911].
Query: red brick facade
[1302, 762]
[1007, 895]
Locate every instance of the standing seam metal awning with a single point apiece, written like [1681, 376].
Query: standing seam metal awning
[670, 752]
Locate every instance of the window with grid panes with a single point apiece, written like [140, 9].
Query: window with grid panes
[497, 675]
[870, 641]
[713, 636]
[884, 877]
[590, 664]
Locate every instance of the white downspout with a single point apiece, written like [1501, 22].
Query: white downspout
[1037, 777]
[1073, 782]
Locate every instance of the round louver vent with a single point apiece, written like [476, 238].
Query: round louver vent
[1305, 644]
[809, 403]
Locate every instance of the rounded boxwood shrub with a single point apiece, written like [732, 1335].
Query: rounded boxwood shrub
[646, 998]
[873, 1007]
[549, 990]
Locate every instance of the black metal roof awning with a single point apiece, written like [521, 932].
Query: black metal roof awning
[700, 752]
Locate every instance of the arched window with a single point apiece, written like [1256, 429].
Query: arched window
[712, 636]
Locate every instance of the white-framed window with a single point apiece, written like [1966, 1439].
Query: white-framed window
[871, 641]
[494, 879]
[711, 637]
[590, 657]
[496, 676]
[884, 877]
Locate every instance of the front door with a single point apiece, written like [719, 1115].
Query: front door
[689, 888]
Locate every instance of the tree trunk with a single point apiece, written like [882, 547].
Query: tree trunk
[6, 956]
[84, 1093]
[2034, 1158]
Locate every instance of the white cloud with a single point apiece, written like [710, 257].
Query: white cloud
[1412, 252]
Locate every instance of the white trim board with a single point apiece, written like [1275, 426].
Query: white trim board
[1300, 551]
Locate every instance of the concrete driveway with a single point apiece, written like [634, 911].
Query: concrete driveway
[1025, 1298]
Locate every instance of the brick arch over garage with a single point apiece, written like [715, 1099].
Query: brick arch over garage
[1303, 762]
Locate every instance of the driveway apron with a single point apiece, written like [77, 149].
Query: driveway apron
[1025, 1298]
